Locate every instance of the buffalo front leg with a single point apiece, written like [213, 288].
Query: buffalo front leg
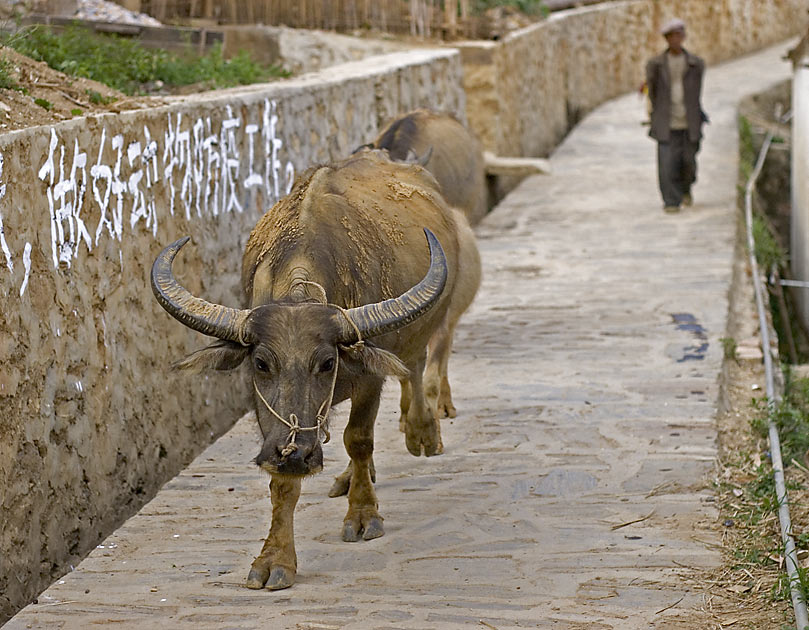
[362, 519]
[422, 429]
[277, 563]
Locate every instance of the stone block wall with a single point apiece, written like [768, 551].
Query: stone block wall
[525, 92]
[93, 420]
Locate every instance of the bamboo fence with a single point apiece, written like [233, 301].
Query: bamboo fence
[421, 18]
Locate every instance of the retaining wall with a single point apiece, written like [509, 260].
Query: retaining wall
[93, 421]
[525, 92]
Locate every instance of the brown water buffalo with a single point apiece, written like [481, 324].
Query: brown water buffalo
[448, 150]
[343, 289]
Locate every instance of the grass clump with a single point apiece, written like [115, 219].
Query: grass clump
[769, 253]
[7, 81]
[127, 66]
[729, 348]
[791, 416]
[747, 150]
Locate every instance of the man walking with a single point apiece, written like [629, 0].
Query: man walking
[674, 81]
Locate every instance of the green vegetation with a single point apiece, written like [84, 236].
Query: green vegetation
[528, 7]
[769, 254]
[729, 348]
[791, 416]
[44, 103]
[747, 151]
[7, 81]
[126, 65]
[749, 500]
[96, 98]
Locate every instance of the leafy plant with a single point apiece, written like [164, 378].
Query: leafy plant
[7, 81]
[791, 417]
[126, 65]
[96, 98]
[44, 103]
[747, 150]
[769, 253]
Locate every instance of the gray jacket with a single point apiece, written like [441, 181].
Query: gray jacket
[659, 85]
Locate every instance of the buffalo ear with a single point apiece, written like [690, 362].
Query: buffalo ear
[369, 359]
[220, 355]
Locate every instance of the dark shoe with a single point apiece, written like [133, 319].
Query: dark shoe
[688, 200]
[671, 209]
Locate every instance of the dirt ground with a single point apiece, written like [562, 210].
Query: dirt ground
[69, 97]
[739, 594]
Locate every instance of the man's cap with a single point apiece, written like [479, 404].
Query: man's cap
[674, 24]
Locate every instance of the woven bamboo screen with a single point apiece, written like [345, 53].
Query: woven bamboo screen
[425, 18]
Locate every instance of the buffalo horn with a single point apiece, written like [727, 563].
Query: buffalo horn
[384, 317]
[210, 319]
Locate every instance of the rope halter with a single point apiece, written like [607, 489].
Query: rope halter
[293, 424]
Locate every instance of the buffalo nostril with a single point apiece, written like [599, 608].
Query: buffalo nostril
[290, 455]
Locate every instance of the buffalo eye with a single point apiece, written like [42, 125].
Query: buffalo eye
[327, 365]
[261, 365]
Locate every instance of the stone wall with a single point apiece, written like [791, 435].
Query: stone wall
[302, 51]
[93, 420]
[525, 92]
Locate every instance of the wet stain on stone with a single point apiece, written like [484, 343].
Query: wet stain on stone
[689, 323]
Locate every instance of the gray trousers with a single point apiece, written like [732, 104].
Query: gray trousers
[676, 166]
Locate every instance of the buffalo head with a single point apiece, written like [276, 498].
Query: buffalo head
[302, 356]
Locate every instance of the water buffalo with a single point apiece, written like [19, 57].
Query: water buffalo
[448, 150]
[343, 289]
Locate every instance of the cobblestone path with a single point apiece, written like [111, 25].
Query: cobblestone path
[571, 493]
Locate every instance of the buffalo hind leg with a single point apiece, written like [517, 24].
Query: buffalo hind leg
[404, 403]
[362, 519]
[436, 384]
[277, 563]
[422, 429]
[343, 480]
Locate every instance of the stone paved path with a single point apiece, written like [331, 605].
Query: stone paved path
[586, 378]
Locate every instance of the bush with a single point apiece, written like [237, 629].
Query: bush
[528, 7]
[128, 66]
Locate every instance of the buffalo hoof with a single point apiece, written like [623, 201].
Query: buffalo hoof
[447, 410]
[280, 578]
[430, 441]
[341, 484]
[373, 529]
[257, 578]
[351, 533]
[353, 530]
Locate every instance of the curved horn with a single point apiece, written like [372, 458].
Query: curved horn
[384, 317]
[205, 317]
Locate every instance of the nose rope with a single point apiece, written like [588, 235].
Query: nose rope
[293, 424]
